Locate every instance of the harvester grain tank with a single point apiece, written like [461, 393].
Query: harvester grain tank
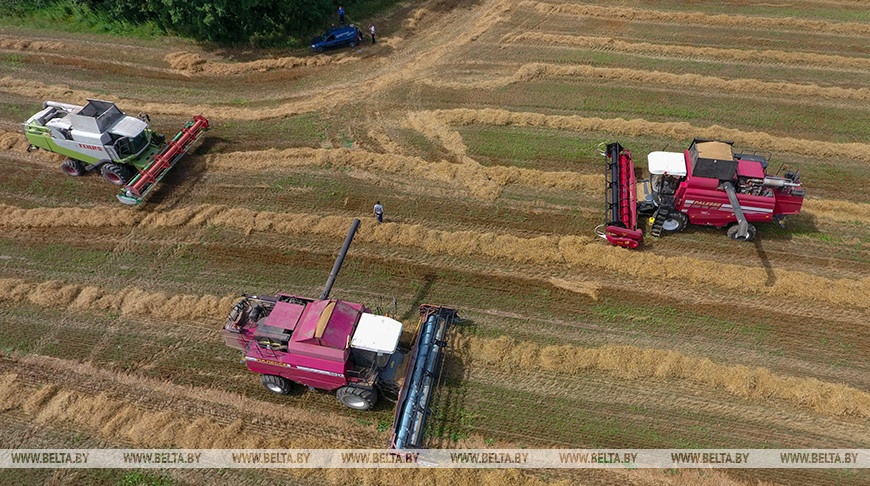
[99, 136]
[707, 184]
[333, 345]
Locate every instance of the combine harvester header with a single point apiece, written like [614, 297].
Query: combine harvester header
[341, 346]
[164, 160]
[99, 136]
[707, 184]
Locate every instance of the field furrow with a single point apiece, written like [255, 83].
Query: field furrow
[770, 56]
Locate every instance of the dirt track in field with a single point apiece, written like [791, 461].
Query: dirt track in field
[461, 120]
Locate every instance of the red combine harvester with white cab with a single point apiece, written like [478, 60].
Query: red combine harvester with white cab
[707, 184]
[341, 346]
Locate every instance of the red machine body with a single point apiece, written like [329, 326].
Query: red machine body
[303, 340]
[707, 184]
[701, 199]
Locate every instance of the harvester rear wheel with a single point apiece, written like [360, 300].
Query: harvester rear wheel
[276, 384]
[356, 397]
[73, 167]
[732, 233]
[674, 222]
[117, 174]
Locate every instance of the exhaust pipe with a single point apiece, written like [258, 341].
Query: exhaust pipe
[339, 260]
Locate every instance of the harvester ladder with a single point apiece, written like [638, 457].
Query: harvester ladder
[659, 221]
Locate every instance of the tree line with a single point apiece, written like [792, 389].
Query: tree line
[256, 22]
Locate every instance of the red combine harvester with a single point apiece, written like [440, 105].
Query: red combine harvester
[341, 346]
[707, 184]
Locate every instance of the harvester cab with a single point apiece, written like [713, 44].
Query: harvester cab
[340, 346]
[707, 184]
[99, 136]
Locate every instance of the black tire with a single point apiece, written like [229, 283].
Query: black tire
[356, 397]
[675, 222]
[276, 384]
[732, 233]
[117, 174]
[319, 49]
[73, 167]
[351, 44]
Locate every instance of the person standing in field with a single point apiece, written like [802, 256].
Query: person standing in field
[340, 14]
[379, 212]
[372, 30]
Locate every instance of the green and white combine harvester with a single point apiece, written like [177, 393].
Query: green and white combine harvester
[99, 136]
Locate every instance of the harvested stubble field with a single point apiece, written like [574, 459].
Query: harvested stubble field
[476, 125]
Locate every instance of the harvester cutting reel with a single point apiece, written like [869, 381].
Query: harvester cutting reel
[622, 206]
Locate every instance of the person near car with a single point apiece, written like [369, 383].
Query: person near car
[340, 14]
[372, 30]
[379, 212]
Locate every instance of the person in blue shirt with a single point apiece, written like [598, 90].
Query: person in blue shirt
[340, 14]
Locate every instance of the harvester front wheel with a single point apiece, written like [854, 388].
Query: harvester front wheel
[117, 174]
[276, 384]
[356, 397]
[73, 167]
[750, 230]
[675, 222]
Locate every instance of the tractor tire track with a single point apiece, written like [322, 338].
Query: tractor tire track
[766, 56]
[538, 71]
[697, 18]
[573, 251]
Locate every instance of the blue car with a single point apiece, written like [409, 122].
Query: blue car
[337, 37]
